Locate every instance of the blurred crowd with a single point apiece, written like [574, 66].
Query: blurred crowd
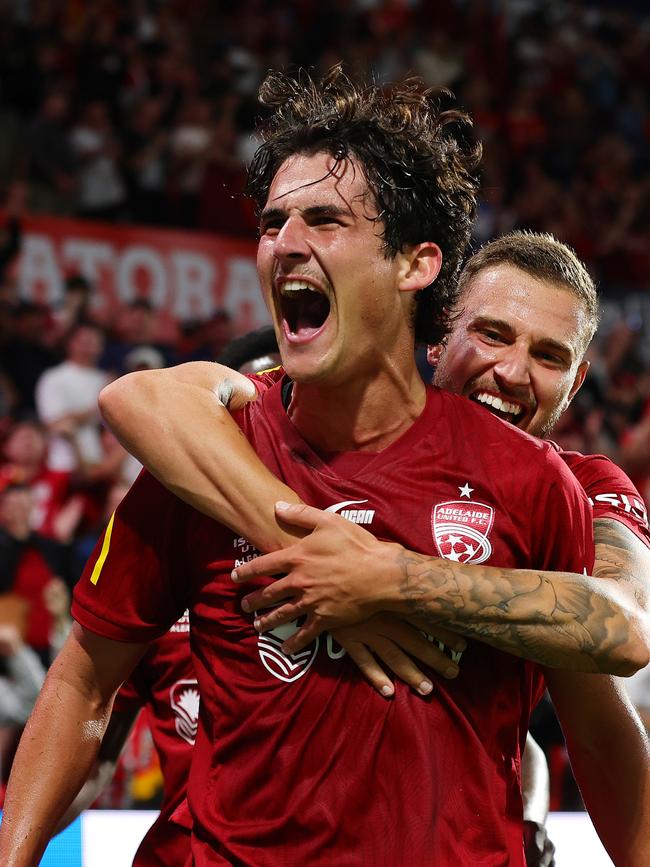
[145, 111]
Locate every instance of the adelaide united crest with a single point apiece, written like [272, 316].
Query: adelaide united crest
[460, 530]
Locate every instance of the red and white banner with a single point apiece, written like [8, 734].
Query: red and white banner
[189, 275]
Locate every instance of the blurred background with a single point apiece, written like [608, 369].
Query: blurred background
[126, 243]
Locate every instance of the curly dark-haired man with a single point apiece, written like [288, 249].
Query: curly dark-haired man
[367, 199]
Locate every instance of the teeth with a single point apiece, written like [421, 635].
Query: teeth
[498, 403]
[297, 286]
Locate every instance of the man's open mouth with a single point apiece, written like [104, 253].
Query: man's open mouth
[304, 308]
[507, 410]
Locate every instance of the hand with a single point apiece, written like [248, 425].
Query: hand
[337, 575]
[394, 642]
[538, 848]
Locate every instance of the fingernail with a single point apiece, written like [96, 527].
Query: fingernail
[245, 604]
[425, 687]
[281, 505]
[234, 576]
[452, 671]
[387, 690]
[257, 624]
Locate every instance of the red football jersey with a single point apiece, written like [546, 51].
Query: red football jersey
[611, 493]
[164, 683]
[297, 759]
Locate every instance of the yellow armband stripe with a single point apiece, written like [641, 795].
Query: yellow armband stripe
[103, 554]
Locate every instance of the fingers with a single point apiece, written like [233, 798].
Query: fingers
[268, 596]
[369, 667]
[276, 563]
[422, 649]
[452, 640]
[284, 614]
[402, 665]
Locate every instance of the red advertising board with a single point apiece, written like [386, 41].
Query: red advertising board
[186, 274]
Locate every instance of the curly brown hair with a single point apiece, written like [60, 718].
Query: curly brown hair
[421, 175]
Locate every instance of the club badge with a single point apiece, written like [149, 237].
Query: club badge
[460, 530]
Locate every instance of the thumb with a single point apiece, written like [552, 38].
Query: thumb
[298, 514]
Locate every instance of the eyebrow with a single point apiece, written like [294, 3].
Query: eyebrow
[548, 342]
[269, 214]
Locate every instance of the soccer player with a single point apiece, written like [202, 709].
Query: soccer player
[527, 312]
[367, 200]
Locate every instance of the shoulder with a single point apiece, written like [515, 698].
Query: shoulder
[480, 426]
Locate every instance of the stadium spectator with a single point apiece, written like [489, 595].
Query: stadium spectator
[66, 400]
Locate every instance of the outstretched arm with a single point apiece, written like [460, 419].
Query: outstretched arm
[610, 757]
[176, 422]
[61, 740]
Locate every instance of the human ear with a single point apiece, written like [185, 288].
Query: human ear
[420, 266]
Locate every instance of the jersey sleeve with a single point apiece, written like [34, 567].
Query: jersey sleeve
[564, 521]
[135, 583]
[266, 378]
[610, 492]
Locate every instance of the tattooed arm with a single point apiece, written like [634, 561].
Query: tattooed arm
[559, 619]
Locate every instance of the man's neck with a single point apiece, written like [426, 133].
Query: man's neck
[359, 416]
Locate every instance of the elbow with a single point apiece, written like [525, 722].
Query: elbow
[120, 399]
[634, 654]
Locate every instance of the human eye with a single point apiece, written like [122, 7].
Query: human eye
[271, 225]
[491, 335]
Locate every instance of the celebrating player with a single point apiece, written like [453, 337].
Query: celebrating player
[366, 200]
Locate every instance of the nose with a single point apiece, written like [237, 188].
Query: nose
[513, 367]
[290, 243]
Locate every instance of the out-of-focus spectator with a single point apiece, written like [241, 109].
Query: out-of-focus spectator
[146, 146]
[101, 191]
[27, 353]
[28, 564]
[52, 158]
[21, 678]
[74, 308]
[205, 341]
[56, 511]
[136, 324]
[66, 400]
[190, 142]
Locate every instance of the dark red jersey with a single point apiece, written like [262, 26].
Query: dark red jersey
[610, 491]
[164, 683]
[297, 759]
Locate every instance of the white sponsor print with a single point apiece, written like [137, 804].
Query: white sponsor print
[356, 516]
[632, 506]
[185, 700]
[285, 667]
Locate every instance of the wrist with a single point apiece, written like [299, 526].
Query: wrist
[387, 566]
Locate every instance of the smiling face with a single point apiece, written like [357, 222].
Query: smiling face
[332, 292]
[516, 347]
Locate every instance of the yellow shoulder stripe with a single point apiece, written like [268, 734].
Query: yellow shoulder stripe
[103, 554]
